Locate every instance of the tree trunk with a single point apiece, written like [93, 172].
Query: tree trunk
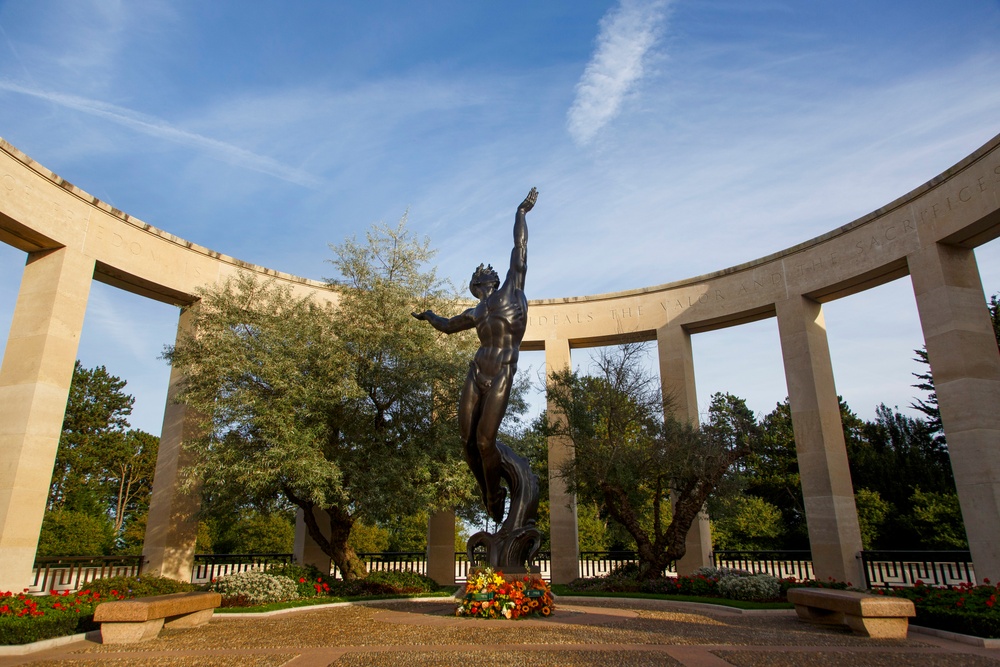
[622, 511]
[351, 567]
[343, 556]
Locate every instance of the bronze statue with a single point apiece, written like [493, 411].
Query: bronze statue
[500, 319]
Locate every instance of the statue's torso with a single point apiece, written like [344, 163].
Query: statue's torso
[501, 320]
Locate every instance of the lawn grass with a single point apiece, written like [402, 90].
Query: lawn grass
[565, 591]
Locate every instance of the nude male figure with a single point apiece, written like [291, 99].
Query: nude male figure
[500, 319]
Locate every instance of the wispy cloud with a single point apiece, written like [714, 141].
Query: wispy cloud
[160, 129]
[628, 33]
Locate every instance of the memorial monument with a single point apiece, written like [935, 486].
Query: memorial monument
[500, 319]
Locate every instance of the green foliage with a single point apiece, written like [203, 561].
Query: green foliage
[256, 533]
[28, 629]
[746, 522]
[936, 519]
[630, 460]
[137, 587]
[407, 532]
[366, 538]
[591, 528]
[772, 474]
[71, 533]
[346, 409]
[403, 582]
[896, 442]
[96, 418]
[965, 609]
[873, 512]
[103, 469]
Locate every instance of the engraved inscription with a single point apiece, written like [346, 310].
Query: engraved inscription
[116, 240]
[8, 181]
[875, 239]
[955, 201]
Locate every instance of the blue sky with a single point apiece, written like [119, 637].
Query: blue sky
[667, 139]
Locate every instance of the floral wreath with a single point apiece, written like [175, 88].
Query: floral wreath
[489, 595]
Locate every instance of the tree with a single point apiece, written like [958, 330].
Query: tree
[96, 418]
[129, 462]
[873, 512]
[348, 410]
[74, 533]
[746, 522]
[632, 461]
[103, 469]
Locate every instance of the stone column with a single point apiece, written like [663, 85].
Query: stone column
[831, 515]
[562, 504]
[965, 364]
[441, 547]
[676, 358]
[172, 523]
[306, 551]
[34, 385]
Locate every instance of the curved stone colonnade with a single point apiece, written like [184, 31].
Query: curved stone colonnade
[928, 234]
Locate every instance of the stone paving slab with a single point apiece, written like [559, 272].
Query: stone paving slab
[609, 633]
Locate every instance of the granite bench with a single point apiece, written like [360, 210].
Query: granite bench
[140, 619]
[868, 615]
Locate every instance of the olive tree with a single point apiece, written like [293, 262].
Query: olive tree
[345, 410]
[634, 462]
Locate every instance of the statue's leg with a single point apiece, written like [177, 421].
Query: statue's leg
[468, 422]
[493, 406]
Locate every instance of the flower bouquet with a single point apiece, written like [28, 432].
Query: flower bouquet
[489, 595]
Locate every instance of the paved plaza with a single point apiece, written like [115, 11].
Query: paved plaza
[609, 633]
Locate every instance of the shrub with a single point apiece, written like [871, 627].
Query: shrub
[403, 582]
[256, 587]
[138, 587]
[966, 609]
[754, 588]
[697, 584]
[305, 578]
[27, 629]
[29, 618]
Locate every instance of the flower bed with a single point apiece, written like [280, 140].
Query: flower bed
[28, 618]
[489, 595]
[965, 609]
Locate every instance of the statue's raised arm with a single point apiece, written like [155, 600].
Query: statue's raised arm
[519, 255]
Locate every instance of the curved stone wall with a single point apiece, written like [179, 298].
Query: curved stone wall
[929, 233]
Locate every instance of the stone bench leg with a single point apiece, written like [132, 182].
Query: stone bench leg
[130, 632]
[878, 628]
[192, 620]
[819, 615]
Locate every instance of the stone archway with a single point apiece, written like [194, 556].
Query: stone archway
[929, 234]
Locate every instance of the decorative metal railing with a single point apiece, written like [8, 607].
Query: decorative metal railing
[212, 566]
[881, 568]
[71, 573]
[602, 563]
[781, 564]
[907, 568]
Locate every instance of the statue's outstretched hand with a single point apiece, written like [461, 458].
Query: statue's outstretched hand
[421, 316]
[529, 201]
